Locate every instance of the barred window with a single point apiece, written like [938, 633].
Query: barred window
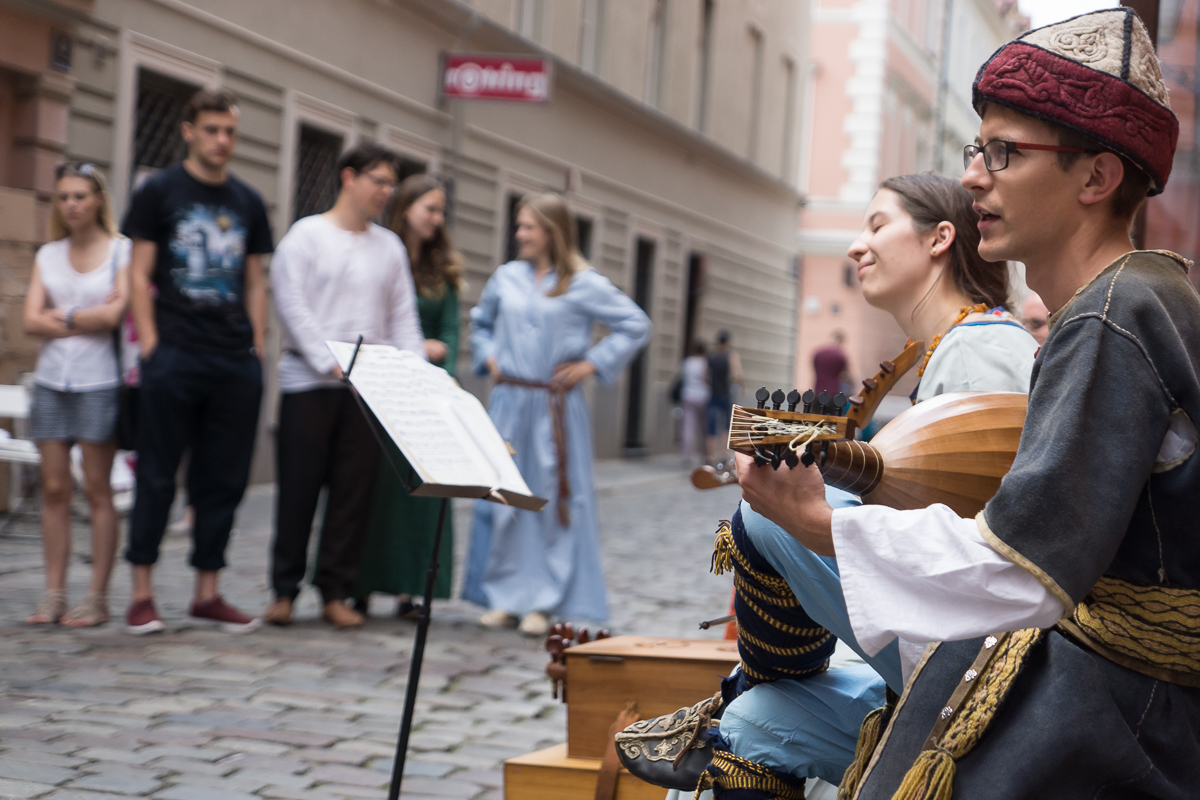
[157, 142]
[316, 172]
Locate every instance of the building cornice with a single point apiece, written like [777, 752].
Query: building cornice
[456, 15]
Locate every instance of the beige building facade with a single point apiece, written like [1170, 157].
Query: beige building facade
[672, 127]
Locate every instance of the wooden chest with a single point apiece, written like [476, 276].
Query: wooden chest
[662, 674]
[551, 774]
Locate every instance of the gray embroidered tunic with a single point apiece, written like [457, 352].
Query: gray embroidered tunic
[1105, 483]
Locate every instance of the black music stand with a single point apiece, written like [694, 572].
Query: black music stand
[418, 653]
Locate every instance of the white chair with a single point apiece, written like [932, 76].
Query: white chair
[14, 405]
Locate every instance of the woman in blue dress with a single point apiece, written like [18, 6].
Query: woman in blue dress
[532, 332]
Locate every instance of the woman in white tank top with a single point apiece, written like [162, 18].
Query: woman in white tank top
[76, 299]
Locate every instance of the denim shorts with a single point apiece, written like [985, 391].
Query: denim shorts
[89, 416]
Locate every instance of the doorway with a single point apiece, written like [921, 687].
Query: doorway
[643, 280]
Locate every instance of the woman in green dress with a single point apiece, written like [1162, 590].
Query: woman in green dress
[402, 527]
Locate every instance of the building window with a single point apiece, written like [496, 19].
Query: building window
[704, 73]
[756, 86]
[786, 169]
[529, 19]
[643, 281]
[316, 172]
[583, 236]
[157, 142]
[510, 241]
[407, 167]
[656, 49]
[591, 30]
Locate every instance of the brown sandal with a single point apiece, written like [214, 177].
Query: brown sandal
[91, 611]
[50, 608]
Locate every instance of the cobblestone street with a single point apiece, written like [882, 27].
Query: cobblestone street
[310, 713]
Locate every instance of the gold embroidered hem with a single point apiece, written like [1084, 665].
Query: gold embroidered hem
[1154, 630]
[731, 773]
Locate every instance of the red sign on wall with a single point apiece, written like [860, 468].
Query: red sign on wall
[476, 77]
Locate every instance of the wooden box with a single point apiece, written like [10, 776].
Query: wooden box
[662, 674]
[551, 774]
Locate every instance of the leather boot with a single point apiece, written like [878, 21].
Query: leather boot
[342, 615]
[671, 751]
[279, 612]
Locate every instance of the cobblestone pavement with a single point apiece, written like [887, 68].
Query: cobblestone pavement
[310, 713]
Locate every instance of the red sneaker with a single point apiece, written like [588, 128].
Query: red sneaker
[142, 618]
[228, 618]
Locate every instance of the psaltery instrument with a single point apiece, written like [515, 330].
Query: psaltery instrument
[952, 449]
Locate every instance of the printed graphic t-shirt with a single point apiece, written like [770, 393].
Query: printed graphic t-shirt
[203, 233]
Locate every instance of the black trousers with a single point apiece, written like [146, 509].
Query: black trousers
[324, 440]
[210, 404]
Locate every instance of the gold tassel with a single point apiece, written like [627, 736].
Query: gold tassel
[868, 739]
[931, 777]
[722, 558]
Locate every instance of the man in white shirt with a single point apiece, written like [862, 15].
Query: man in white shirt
[335, 276]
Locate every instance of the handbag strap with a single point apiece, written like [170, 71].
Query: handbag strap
[116, 334]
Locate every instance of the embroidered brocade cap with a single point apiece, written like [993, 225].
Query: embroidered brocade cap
[1096, 74]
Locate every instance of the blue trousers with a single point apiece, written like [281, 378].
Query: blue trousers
[808, 728]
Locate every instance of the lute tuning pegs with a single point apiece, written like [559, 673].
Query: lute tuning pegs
[823, 402]
[761, 396]
[777, 399]
[793, 399]
[809, 398]
[839, 403]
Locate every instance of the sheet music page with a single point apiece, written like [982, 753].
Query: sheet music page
[443, 431]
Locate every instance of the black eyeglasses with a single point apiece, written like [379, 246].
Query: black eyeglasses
[86, 169]
[995, 152]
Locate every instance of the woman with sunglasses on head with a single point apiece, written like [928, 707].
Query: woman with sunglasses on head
[917, 257]
[76, 299]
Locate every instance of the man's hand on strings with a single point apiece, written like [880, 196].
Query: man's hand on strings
[571, 373]
[794, 499]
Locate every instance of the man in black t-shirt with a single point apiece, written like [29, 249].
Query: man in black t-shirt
[199, 235]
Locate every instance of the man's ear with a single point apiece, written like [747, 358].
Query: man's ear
[1105, 177]
[188, 131]
[348, 175]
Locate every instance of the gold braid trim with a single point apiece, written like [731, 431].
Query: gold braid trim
[746, 588]
[759, 644]
[967, 716]
[797, 673]
[869, 735]
[774, 623]
[1156, 625]
[728, 771]
[725, 553]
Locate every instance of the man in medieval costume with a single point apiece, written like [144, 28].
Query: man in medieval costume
[1050, 647]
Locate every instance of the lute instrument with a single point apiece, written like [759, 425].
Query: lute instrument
[952, 449]
[859, 410]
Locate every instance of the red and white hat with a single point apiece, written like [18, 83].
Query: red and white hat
[1096, 74]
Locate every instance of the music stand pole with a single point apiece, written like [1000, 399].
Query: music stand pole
[418, 653]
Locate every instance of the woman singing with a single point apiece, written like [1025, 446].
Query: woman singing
[532, 332]
[76, 299]
[402, 527]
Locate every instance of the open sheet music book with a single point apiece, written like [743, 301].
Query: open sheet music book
[443, 431]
